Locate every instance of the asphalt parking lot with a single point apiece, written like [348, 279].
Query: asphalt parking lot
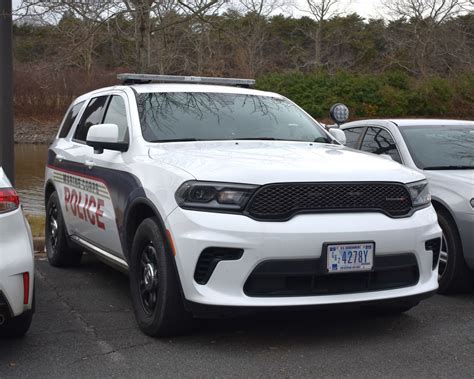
[84, 327]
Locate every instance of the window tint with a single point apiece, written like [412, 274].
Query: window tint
[379, 141]
[117, 114]
[92, 116]
[441, 147]
[352, 136]
[223, 116]
[69, 120]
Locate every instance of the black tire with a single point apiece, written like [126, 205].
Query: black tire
[454, 274]
[18, 326]
[58, 249]
[391, 308]
[154, 284]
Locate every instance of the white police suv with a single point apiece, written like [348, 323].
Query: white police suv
[218, 198]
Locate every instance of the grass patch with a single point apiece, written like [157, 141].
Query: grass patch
[36, 224]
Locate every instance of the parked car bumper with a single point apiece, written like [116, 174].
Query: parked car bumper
[16, 258]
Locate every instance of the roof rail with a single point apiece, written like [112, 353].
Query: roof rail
[150, 78]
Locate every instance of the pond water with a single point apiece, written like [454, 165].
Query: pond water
[29, 172]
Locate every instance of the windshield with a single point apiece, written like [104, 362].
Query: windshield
[190, 116]
[441, 147]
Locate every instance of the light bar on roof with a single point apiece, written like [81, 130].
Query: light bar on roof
[150, 78]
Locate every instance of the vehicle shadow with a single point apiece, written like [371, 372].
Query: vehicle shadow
[347, 324]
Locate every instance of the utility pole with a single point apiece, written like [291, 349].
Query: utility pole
[7, 152]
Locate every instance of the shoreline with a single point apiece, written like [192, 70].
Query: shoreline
[35, 132]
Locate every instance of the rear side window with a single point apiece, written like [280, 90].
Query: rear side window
[92, 116]
[352, 136]
[117, 114]
[69, 120]
[379, 141]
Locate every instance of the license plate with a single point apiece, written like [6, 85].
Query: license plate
[350, 257]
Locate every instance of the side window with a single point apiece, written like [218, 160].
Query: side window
[116, 114]
[69, 120]
[353, 135]
[92, 116]
[379, 141]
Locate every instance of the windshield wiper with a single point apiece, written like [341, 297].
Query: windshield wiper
[323, 140]
[176, 140]
[449, 168]
[258, 139]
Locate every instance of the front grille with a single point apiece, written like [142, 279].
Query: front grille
[309, 277]
[282, 201]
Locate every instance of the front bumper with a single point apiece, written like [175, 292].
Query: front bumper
[16, 258]
[302, 237]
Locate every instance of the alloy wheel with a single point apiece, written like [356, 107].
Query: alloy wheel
[53, 226]
[148, 279]
[443, 257]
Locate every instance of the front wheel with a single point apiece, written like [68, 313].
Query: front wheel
[454, 275]
[154, 284]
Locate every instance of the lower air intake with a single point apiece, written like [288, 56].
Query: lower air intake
[309, 277]
[209, 259]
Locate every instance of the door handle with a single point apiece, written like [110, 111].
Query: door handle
[59, 158]
[89, 164]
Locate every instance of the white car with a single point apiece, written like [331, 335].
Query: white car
[443, 150]
[16, 264]
[218, 198]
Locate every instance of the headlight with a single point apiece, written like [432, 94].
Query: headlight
[214, 196]
[420, 193]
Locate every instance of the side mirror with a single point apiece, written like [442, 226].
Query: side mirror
[105, 136]
[339, 135]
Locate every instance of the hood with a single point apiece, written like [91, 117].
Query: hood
[460, 176]
[460, 182]
[261, 162]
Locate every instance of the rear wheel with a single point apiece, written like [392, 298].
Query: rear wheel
[58, 250]
[17, 327]
[454, 275]
[154, 284]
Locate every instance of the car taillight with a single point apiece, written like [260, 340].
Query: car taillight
[9, 200]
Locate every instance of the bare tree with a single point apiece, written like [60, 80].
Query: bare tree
[435, 11]
[148, 16]
[250, 35]
[424, 23]
[321, 10]
[261, 7]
